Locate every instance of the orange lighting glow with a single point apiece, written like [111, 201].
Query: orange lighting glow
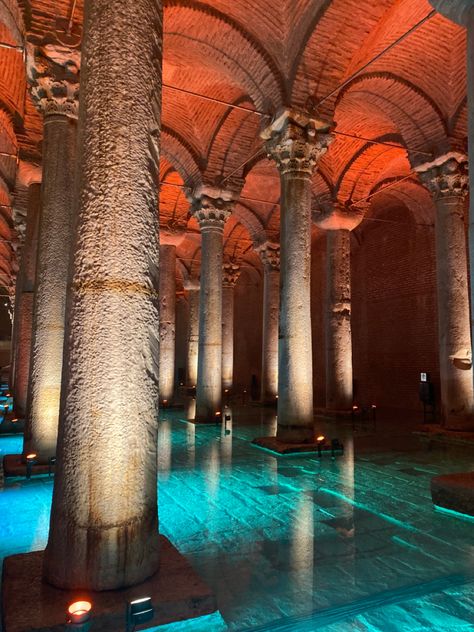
[14, 421]
[355, 407]
[30, 457]
[79, 611]
[218, 413]
[320, 438]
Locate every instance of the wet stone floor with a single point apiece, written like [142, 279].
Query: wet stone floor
[297, 543]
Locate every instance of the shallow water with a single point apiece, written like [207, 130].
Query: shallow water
[296, 543]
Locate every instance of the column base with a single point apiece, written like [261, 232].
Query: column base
[28, 603]
[281, 448]
[13, 465]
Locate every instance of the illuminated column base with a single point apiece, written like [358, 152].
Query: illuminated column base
[24, 312]
[192, 290]
[54, 248]
[167, 321]
[211, 214]
[296, 142]
[231, 273]
[104, 518]
[447, 179]
[270, 255]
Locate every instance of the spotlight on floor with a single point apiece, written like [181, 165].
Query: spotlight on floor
[139, 611]
[79, 615]
[30, 461]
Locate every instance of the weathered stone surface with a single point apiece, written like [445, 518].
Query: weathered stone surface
[104, 523]
[192, 291]
[167, 320]
[177, 594]
[231, 274]
[454, 491]
[270, 255]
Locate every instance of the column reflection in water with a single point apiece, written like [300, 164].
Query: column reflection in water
[164, 448]
[191, 408]
[191, 444]
[212, 469]
[301, 560]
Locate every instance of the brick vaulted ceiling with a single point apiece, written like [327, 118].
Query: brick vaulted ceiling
[408, 105]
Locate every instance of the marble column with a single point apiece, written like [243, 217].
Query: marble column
[296, 142]
[270, 255]
[231, 274]
[338, 220]
[26, 292]
[167, 321]
[192, 289]
[58, 101]
[104, 519]
[211, 213]
[447, 179]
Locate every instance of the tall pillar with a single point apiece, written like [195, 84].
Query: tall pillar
[26, 290]
[211, 214]
[231, 274]
[338, 220]
[447, 179]
[296, 143]
[167, 321]
[57, 98]
[191, 287]
[270, 255]
[104, 520]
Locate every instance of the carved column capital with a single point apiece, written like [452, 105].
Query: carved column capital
[447, 176]
[270, 255]
[211, 213]
[54, 87]
[230, 274]
[296, 142]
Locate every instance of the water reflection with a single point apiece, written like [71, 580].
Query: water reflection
[164, 448]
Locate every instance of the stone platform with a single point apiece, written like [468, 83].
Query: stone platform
[14, 466]
[8, 426]
[177, 594]
[284, 449]
[430, 434]
[454, 492]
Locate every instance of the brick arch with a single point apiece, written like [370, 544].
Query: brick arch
[250, 219]
[410, 193]
[182, 155]
[218, 41]
[12, 18]
[416, 116]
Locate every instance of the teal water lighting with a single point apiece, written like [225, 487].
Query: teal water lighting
[453, 513]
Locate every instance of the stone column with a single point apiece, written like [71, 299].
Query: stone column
[231, 274]
[447, 179]
[270, 255]
[338, 220]
[24, 311]
[167, 321]
[296, 143]
[104, 522]
[57, 98]
[192, 290]
[211, 214]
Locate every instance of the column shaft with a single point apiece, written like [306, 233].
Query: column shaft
[193, 337]
[295, 374]
[338, 321]
[167, 321]
[209, 385]
[227, 336]
[456, 374]
[271, 295]
[24, 312]
[54, 246]
[104, 522]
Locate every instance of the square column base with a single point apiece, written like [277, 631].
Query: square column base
[28, 603]
[14, 466]
[281, 448]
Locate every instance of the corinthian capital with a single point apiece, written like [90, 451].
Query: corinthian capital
[211, 213]
[230, 274]
[447, 176]
[296, 142]
[54, 86]
[270, 255]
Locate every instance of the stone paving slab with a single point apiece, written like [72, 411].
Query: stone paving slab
[177, 594]
[454, 492]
